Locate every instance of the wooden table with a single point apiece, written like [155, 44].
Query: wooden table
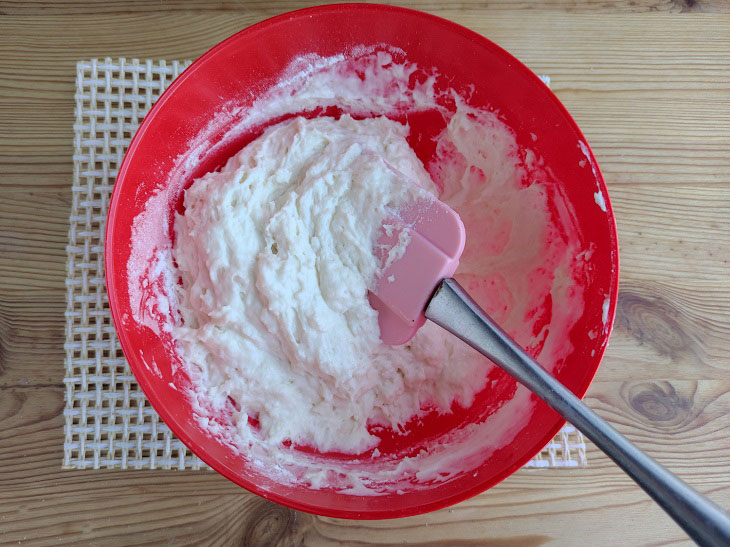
[649, 83]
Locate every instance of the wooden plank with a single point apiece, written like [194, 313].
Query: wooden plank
[114, 7]
[650, 91]
[636, 139]
[673, 307]
[36, 144]
[33, 238]
[640, 53]
[40, 501]
[503, 517]
[672, 420]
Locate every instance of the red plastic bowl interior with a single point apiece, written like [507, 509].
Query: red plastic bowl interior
[250, 61]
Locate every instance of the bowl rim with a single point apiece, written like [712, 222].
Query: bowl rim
[168, 418]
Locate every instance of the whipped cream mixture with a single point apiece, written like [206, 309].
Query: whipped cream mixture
[271, 321]
[276, 256]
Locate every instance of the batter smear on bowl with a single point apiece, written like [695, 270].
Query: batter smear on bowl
[274, 251]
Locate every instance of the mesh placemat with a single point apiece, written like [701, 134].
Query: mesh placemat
[108, 420]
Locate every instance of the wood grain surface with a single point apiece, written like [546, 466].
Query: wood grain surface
[649, 83]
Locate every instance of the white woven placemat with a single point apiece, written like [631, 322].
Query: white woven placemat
[108, 421]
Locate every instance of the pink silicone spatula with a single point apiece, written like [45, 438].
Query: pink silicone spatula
[417, 286]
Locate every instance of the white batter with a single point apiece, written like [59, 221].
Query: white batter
[276, 256]
[240, 332]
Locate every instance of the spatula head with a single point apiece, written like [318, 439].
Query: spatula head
[419, 247]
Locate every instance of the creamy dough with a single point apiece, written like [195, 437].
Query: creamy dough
[524, 262]
[275, 252]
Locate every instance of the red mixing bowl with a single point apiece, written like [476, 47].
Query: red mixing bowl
[246, 65]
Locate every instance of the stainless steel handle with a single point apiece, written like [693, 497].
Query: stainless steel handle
[454, 310]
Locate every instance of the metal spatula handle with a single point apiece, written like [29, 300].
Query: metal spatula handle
[454, 310]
